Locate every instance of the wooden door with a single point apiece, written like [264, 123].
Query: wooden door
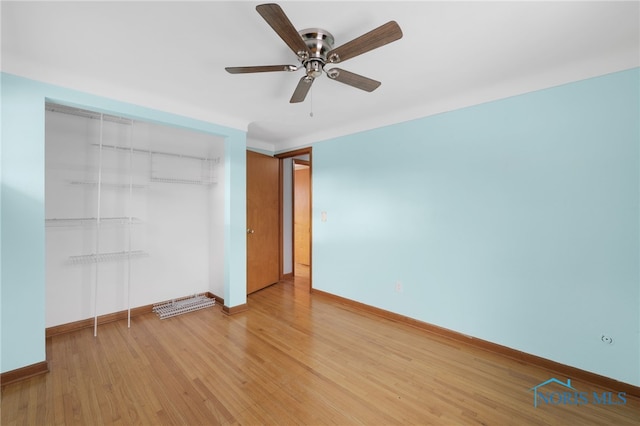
[302, 215]
[263, 221]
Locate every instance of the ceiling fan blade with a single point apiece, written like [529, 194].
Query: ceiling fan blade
[353, 79]
[262, 68]
[378, 37]
[302, 89]
[276, 18]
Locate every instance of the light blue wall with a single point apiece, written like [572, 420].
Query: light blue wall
[235, 223]
[515, 221]
[22, 208]
[22, 178]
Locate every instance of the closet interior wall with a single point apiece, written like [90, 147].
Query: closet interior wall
[134, 214]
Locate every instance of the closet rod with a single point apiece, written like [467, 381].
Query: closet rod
[122, 220]
[86, 113]
[169, 154]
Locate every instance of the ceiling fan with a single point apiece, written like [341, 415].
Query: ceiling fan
[314, 49]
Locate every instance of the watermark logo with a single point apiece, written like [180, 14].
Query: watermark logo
[568, 395]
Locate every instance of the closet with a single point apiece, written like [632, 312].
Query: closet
[134, 213]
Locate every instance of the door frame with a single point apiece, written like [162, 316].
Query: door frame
[281, 156]
[294, 195]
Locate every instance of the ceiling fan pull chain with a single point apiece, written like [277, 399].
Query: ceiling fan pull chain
[311, 102]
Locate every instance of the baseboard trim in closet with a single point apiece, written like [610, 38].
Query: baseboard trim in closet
[115, 316]
[102, 319]
[219, 300]
[24, 372]
[235, 309]
[552, 366]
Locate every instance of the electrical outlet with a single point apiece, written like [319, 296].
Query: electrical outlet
[607, 339]
[398, 287]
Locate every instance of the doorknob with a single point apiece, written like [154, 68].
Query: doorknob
[250, 231]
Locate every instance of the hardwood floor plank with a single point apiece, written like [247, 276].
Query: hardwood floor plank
[292, 358]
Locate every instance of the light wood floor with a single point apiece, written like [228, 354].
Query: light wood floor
[293, 358]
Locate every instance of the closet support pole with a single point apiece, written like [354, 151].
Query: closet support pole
[129, 227]
[95, 290]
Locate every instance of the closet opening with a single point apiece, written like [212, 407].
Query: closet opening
[134, 214]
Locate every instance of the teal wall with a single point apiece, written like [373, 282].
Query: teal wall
[515, 221]
[22, 208]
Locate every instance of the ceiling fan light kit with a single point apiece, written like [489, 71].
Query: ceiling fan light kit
[314, 49]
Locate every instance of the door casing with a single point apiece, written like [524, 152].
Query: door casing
[308, 151]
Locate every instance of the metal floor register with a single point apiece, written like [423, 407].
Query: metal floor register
[182, 306]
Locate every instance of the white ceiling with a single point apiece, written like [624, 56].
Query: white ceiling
[171, 56]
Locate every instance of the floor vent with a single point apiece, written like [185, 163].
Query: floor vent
[182, 306]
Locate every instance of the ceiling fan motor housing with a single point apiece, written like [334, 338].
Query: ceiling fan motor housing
[319, 42]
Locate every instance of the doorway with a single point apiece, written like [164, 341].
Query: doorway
[301, 218]
[297, 206]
